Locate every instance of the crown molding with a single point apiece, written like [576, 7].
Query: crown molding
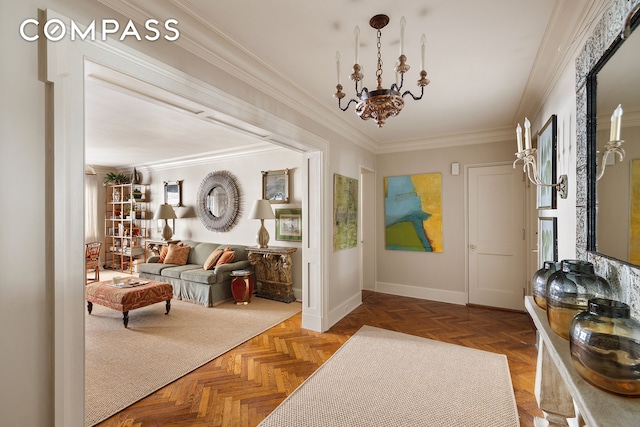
[451, 140]
[208, 43]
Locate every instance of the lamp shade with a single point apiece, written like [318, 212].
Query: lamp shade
[165, 212]
[261, 210]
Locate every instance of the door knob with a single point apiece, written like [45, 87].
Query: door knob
[472, 247]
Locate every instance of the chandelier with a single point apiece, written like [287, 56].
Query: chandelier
[381, 103]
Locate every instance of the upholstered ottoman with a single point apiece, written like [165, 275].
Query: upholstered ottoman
[125, 299]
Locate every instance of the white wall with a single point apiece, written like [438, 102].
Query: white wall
[437, 276]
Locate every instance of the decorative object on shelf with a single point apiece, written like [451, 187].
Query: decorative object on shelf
[546, 169]
[605, 347]
[273, 272]
[137, 193]
[275, 186]
[413, 212]
[345, 212]
[568, 292]
[614, 145]
[166, 212]
[218, 201]
[173, 193]
[262, 210]
[116, 195]
[380, 104]
[547, 239]
[539, 282]
[289, 224]
[135, 177]
[115, 178]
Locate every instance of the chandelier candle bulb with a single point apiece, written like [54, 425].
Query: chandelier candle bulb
[403, 24]
[519, 137]
[527, 134]
[423, 43]
[356, 32]
[616, 122]
[338, 66]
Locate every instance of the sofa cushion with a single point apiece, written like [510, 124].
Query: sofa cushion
[199, 275]
[200, 251]
[176, 270]
[152, 267]
[226, 257]
[213, 258]
[177, 255]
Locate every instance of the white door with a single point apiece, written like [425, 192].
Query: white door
[496, 270]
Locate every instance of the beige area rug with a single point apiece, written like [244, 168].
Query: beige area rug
[385, 378]
[125, 365]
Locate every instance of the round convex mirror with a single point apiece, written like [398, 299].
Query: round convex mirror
[218, 201]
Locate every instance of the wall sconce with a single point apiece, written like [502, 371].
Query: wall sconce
[614, 144]
[530, 167]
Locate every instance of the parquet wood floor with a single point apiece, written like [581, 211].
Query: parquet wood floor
[243, 386]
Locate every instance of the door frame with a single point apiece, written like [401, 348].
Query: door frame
[61, 68]
[466, 221]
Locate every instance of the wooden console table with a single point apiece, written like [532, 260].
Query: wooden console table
[558, 385]
[273, 272]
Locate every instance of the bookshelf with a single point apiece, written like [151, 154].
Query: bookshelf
[126, 225]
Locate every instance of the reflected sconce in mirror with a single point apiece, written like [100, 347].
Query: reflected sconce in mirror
[614, 144]
[528, 156]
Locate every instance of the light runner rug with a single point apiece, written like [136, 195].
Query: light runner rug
[385, 378]
[124, 365]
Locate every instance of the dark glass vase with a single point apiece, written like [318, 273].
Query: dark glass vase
[539, 282]
[569, 291]
[605, 347]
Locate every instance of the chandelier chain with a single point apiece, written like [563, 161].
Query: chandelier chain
[379, 45]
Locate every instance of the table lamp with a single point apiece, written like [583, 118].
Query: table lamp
[262, 210]
[166, 212]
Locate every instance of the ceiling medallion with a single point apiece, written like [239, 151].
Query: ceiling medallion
[381, 103]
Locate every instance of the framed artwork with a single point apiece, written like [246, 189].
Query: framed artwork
[173, 193]
[289, 224]
[413, 212]
[547, 147]
[345, 212]
[547, 239]
[275, 186]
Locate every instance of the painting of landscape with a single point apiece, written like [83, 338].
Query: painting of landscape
[345, 212]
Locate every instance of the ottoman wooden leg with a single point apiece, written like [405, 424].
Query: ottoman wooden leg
[89, 306]
[125, 318]
[168, 306]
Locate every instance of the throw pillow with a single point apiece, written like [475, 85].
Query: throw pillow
[213, 258]
[177, 255]
[163, 254]
[226, 257]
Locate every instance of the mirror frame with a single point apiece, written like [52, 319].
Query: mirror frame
[228, 182]
[591, 85]
[624, 278]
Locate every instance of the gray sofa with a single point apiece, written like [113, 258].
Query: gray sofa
[191, 282]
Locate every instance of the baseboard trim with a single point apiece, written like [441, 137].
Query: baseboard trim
[439, 295]
[345, 308]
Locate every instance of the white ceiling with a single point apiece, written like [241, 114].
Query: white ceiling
[490, 63]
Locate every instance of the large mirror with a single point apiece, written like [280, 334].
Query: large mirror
[218, 201]
[614, 217]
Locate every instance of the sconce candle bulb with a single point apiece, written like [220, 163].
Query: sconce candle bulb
[616, 122]
[528, 157]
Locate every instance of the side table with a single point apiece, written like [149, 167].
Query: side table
[273, 272]
[242, 286]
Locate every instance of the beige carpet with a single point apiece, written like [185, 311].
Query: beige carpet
[125, 365]
[384, 378]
